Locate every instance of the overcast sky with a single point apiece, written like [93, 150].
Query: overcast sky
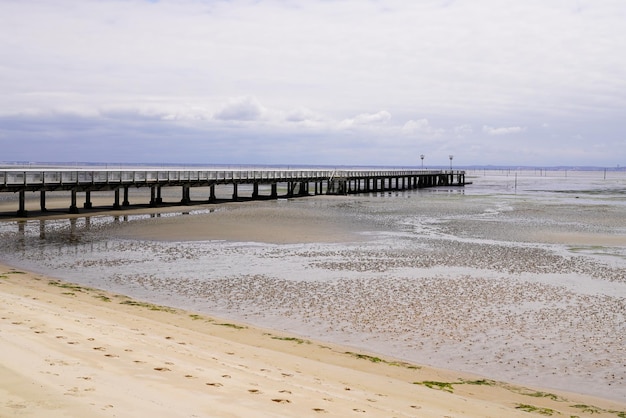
[354, 82]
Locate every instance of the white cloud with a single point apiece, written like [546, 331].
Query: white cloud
[421, 127]
[303, 115]
[463, 130]
[367, 119]
[489, 130]
[240, 109]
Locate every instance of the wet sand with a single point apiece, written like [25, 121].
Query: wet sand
[268, 222]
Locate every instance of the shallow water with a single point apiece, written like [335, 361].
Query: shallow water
[519, 276]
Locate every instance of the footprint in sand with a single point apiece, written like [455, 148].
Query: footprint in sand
[16, 405]
[281, 400]
[217, 385]
[255, 391]
[73, 391]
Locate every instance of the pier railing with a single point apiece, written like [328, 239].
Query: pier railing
[15, 179]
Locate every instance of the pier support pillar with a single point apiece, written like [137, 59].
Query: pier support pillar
[22, 205]
[186, 199]
[212, 197]
[87, 204]
[304, 188]
[116, 201]
[159, 199]
[274, 193]
[73, 207]
[152, 202]
[235, 192]
[42, 201]
[319, 187]
[290, 189]
[255, 190]
[126, 202]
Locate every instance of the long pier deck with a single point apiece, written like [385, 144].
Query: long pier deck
[296, 182]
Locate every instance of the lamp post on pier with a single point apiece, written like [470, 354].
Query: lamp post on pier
[451, 157]
[422, 157]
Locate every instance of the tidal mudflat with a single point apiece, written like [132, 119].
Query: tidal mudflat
[518, 277]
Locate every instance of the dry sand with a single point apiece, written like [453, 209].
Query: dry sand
[72, 351]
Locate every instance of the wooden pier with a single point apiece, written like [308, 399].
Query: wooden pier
[295, 182]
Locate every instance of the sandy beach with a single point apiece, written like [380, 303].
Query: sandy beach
[517, 290]
[72, 351]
